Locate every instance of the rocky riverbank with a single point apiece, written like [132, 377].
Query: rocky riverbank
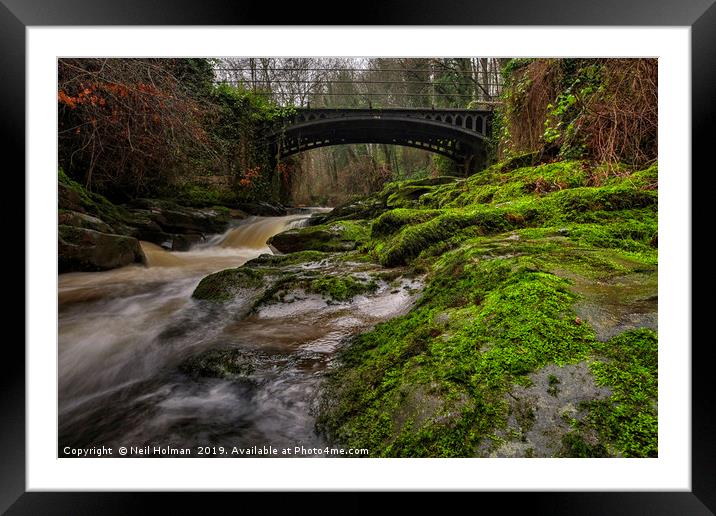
[95, 234]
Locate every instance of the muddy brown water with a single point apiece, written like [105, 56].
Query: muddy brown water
[124, 333]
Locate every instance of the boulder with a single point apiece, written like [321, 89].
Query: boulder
[220, 363]
[360, 209]
[82, 220]
[141, 221]
[69, 198]
[235, 213]
[173, 218]
[334, 237]
[82, 249]
[262, 209]
[224, 285]
[186, 241]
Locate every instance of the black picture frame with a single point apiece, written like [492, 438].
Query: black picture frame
[700, 15]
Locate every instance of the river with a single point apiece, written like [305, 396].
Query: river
[124, 333]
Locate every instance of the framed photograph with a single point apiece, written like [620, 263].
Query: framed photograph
[430, 239]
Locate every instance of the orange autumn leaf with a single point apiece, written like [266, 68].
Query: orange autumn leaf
[66, 99]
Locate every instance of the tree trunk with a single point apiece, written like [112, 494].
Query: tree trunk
[485, 77]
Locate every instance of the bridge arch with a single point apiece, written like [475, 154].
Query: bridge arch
[456, 134]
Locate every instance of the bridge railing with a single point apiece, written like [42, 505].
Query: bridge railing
[473, 120]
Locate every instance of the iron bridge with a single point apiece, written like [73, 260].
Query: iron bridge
[459, 134]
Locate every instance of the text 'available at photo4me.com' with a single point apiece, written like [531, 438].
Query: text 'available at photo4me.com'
[211, 451]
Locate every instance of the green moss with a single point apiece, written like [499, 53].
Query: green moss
[392, 221]
[342, 288]
[284, 285]
[283, 260]
[503, 321]
[630, 235]
[412, 240]
[356, 231]
[203, 197]
[646, 179]
[407, 196]
[338, 236]
[279, 286]
[89, 202]
[223, 286]
[574, 445]
[628, 420]
[580, 205]
[502, 184]
[560, 175]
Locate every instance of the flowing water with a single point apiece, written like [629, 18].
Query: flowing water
[124, 333]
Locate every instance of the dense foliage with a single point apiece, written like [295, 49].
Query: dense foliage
[161, 127]
[605, 110]
[129, 125]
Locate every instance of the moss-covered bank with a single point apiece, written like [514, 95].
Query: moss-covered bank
[509, 257]
[534, 336]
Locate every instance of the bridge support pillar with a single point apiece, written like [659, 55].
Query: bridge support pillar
[474, 163]
[467, 166]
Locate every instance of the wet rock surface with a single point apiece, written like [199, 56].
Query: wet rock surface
[618, 304]
[263, 209]
[173, 218]
[540, 414]
[82, 249]
[82, 220]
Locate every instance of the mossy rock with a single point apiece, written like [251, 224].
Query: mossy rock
[356, 209]
[628, 364]
[284, 260]
[526, 159]
[82, 249]
[225, 285]
[222, 363]
[160, 221]
[433, 181]
[173, 218]
[74, 197]
[263, 209]
[412, 240]
[579, 205]
[575, 201]
[392, 221]
[200, 196]
[407, 196]
[184, 242]
[333, 237]
[82, 220]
